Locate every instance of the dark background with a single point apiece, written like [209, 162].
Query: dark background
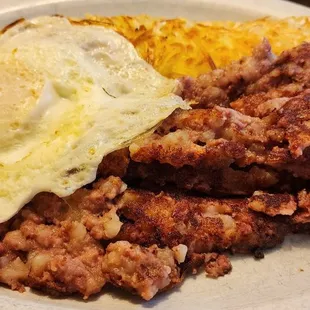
[304, 2]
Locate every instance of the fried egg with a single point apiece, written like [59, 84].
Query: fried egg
[70, 95]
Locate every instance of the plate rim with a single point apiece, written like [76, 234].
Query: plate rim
[277, 8]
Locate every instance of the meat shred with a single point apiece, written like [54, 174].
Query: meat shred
[222, 86]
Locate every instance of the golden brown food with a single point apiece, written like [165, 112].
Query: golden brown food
[54, 244]
[210, 180]
[204, 225]
[62, 258]
[291, 67]
[220, 151]
[115, 164]
[219, 137]
[221, 86]
[289, 77]
[302, 216]
[179, 47]
[142, 270]
[273, 204]
[214, 137]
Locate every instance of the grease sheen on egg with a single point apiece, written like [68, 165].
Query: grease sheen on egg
[69, 95]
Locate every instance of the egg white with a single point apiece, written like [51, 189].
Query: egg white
[70, 95]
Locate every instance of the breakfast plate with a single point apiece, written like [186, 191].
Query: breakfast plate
[280, 281]
[194, 9]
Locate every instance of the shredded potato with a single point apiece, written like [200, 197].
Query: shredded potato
[177, 47]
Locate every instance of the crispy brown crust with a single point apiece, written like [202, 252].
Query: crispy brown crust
[262, 104]
[302, 216]
[291, 67]
[61, 258]
[222, 86]
[54, 244]
[219, 137]
[141, 270]
[290, 76]
[223, 181]
[202, 224]
[116, 164]
[294, 119]
[273, 204]
[213, 137]
[11, 25]
[217, 265]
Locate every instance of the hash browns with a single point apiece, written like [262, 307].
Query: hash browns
[178, 47]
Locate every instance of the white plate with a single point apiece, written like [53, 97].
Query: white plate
[275, 282]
